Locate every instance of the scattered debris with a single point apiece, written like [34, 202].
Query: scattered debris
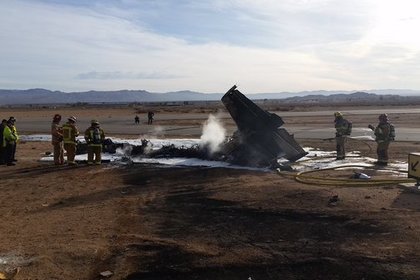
[359, 175]
[333, 200]
[11, 263]
[9, 274]
[106, 273]
[124, 191]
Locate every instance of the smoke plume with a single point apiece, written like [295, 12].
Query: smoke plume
[213, 134]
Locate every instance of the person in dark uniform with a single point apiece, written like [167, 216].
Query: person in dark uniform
[150, 115]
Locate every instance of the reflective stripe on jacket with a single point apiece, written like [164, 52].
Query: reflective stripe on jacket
[8, 136]
[56, 133]
[342, 127]
[70, 133]
[14, 131]
[90, 138]
[382, 132]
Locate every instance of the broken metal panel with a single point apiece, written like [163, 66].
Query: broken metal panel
[247, 115]
[293, 151]
[259, 130]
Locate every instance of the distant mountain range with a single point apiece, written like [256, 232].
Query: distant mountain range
[44, 96]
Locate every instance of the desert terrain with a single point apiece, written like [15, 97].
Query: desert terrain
[143, 221]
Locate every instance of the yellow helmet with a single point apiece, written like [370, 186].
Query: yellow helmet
[338, 114]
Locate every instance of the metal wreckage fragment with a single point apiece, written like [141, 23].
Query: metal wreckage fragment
[258, 142]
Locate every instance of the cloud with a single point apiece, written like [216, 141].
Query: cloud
[264, 46]
[117, 75]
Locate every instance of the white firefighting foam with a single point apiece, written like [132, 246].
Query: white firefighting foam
[315, 159]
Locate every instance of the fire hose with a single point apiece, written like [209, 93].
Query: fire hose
[306, 177]
[353, 139]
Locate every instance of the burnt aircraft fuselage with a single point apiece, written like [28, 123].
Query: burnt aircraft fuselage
[259, 139]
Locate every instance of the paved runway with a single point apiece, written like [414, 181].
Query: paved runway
[125, 125]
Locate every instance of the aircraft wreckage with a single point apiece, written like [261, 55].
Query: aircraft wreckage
[258, 142]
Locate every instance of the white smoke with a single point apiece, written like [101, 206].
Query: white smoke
[124, 151]
[213, 134]
[158, 131]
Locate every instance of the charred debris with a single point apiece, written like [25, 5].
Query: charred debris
[259, 141]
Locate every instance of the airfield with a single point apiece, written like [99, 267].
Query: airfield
[177, 220]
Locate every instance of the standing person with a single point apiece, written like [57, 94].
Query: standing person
[150, 115]
[342, 130]
[14, 131]
[137, 120]
[384, 134]
[57, 140]
[94, 137]
[2, 127]
[70, 132]
[9, 141]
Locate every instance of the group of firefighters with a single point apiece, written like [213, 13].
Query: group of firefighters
[64, 138]
[384, 135]
[94, 136]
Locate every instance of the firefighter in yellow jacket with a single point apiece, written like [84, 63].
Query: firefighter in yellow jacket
[342, 130]
[9, 142]
[94, 137]
[384, 135]
[57, 140]
[15, 133]
[70, 132]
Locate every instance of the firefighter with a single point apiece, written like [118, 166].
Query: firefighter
[57, 140]
[9, 143]
[2, 154]
[14, 131]
[94, 137]
[150, 116]
[384, 134]
[70, 132]
[342, 130]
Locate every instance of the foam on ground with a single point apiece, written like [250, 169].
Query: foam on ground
[315, 159]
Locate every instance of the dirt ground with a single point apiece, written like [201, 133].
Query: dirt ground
[154, 222]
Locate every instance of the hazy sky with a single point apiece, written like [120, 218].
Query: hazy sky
[207, 46]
